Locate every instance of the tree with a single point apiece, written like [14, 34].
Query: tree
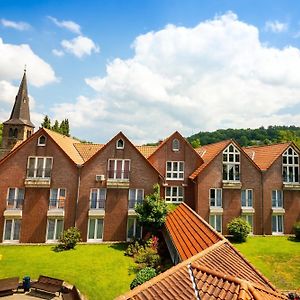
[1, 128]
[196, 143]
[46, 122]
[152, 212]
[56, 126]
[239, 228]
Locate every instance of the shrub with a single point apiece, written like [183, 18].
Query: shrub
[296, 229]
[147, 257]
[142, 276]
[68, 239]
[239, 229]
[134, 247]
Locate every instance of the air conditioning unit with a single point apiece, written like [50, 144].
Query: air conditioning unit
[100, 177]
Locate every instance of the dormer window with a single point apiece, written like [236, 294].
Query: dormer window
[120, 144]
[42, 141]
[231, 164]
[290, 166]
[175, 145]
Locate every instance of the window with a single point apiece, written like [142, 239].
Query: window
[215, 197]
[231, 164]
[247, 198]
[118, 169]
[15, 198]
[120, 144]
[175, 145]
[54, 229]
[11, 133]
[95, 229]
[249, 218]
[135, 196]
[277, 224]
[290, 166]
[277, 198]
[39, 167]
[12, 230]
[174, 194]
[216, 222]
[134, 230]
[57, 198]
[175, 170]
[97, 198]
[15, 133]
[42, 141]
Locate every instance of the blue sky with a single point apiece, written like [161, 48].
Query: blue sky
[149, 68]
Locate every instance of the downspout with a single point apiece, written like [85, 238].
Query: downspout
[262, 202]
[78, 190]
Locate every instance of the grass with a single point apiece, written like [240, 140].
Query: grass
[99, 271]
[278, 258]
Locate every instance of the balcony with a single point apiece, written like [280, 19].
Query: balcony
[231, 184]
[291, 182]
[248, 210]
[117, 179]
[14, 208]
[38, 178]
[278, 210]
[217, 210]
[56, 208]
[97, 208]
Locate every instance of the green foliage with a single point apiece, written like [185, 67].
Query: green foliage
[68, 239]
[239, 228]
[196, 143]
[142, 276]
[296, 229]
[46, 122]
[152, 212]
[147, 257]
[248, 137]
[1, 128]
[134, 247]
[63, 127]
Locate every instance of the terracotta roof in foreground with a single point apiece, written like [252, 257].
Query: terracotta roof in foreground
[190, 233]
[86, 150]
[264, 156]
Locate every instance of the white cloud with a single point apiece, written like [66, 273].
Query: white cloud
[58, 53]
[15, 25]
[80, 46]
[8, 91]
[276, 26]
[69, 25]
[39, 72]
[214, 75]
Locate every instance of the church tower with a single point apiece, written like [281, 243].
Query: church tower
[18, 127]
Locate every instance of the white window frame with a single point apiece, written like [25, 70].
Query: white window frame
[251, 223]
[213, 221]
[55, 229]
[39, 141]
[276, 198]
[175, 145]
[215, 199]
[233, 164]
[248, 200]
[135, 200]
[171, 173]
[174, 194]
[276, 216]
[98, 199]
[36, 158]
[120, 146]
[95, 230]
[58, 198]
[115, 160]
[135, 227]
[290, 169]
[16, 198]
[11, 240]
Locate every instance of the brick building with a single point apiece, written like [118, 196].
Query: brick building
[50, 182]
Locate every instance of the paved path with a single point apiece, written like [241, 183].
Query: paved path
[31, 295]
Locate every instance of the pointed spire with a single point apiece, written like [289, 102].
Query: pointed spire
[20, 113]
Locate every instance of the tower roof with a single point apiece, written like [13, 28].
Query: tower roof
[20, 114]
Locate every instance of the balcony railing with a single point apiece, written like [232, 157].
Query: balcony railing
[38, 173]
[14, 203]
[97, 204]
[56, 203]
[133, 203]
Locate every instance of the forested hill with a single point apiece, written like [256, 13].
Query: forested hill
[248, 137]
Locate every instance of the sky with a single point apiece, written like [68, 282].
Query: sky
[148, 68]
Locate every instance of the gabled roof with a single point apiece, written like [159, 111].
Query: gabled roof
[86, 150]
[147, 150]
[208, 153]
[190, 233]
[265, 156]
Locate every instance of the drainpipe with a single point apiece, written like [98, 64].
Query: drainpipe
[78, 190]
[262, 202]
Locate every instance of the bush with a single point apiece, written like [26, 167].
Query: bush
[239, 229]
[147, 257]
[296, 229]
[142, 276]
[134, 247]
[68, 239]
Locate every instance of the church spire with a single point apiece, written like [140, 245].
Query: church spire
[20, 114]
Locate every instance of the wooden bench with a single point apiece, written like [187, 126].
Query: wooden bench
[72, 294]
[7, 285]
[48, 284]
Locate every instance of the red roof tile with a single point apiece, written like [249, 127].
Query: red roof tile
[147, 150]
[86, 151]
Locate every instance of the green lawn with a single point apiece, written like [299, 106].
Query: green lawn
[278, 258]
[99, 271]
